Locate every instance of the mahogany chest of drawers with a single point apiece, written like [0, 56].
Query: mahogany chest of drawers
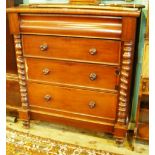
[75, 65]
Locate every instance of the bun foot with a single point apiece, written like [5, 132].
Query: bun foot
[119, 142]
[26, 124]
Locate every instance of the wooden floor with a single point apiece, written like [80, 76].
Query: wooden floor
[75, 136]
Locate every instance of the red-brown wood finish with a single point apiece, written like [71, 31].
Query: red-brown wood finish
[88, 75]
[77, 10]
[24, 111]
[12, 93]
[72, 48]
[75, 64]
[94, 2]
[79, 26]
[71, 100]
[10, 52]
[128, 40]
[12, 85]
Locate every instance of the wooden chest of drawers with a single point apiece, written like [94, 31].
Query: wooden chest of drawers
[75, 65]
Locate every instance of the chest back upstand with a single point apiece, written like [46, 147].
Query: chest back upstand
[75, 65]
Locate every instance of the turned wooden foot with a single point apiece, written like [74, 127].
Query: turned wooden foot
[24, 116]
[120, 134]
[26, 124]
[119, 141]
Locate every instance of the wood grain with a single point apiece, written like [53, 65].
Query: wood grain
[72, 121]
[143, 131]
[78, 10]
[72, 73]
[73, 100]
[14, 23]
[105, 27]
[10, 51]
[129, 28]
[12, 91]
[93, 2]
[105, 51]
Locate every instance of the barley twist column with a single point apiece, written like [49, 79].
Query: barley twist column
[24, 112]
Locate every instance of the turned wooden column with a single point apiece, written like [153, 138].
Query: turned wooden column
[24, 111]
[14, 29]
[127, 56]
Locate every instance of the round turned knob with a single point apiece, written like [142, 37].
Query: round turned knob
[43, 47]
[93, 51]
[92, 104]
[47, 97]
[117, 71]
[92, 76]
[46, 71]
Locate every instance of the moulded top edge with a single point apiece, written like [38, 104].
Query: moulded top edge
[79, 10]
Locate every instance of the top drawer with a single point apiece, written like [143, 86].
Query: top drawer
[72, 25]
[80, 49]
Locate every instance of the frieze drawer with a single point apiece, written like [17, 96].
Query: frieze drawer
[77, 26]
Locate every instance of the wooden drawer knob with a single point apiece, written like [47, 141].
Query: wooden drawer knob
[47, 98]
[92, 51]
[92, 104]
[43, 47]
[117, 71]
[93, 76]
[46, 71]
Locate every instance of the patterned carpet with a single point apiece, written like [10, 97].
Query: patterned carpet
[19, 143]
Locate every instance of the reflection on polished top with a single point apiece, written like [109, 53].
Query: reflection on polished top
[106, 9]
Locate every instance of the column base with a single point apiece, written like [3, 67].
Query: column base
[120, 133]
[24, 115]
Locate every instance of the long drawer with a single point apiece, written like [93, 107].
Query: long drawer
[65, 25]
[79, 101]
[98, 50]
[65, 72]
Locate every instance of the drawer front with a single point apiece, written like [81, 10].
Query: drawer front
[99, 76]
[97, 50]
[72, 25]
[73, 100]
